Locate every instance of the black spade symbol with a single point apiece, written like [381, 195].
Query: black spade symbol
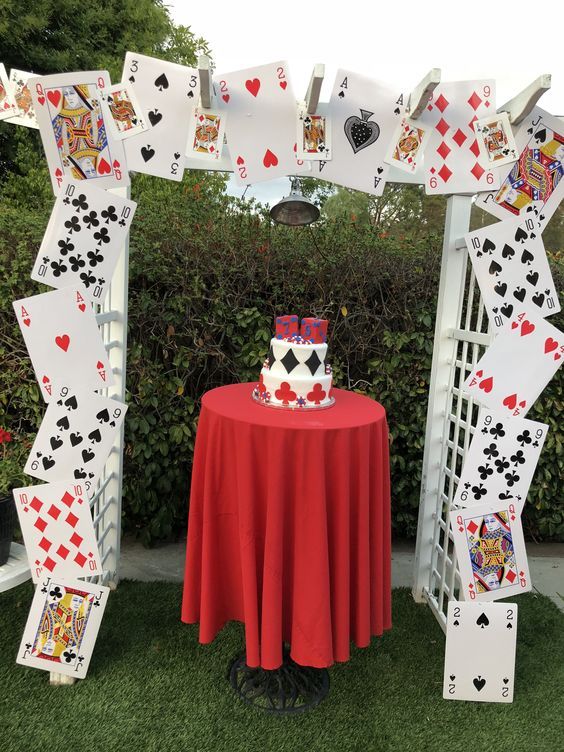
[540, 135]
[147, 153]
[520, 235]
[132, 79]
[48, 462]
[397, 111]
[507, 310]
[361, 133]
[482, 620]
[506, 681]
[520, 294]
[380, 170]
[495, 268]
[488, 246]
[103, 416]
[479, 683]
[95, 436]
[79, 474]
[456, 622]
[71, 403]
[161, 82]
[501, 288]
[75, 439]
[538, 299]
[452, 677]
[155, 117]
[177, 155]
[55, 442]
[532, 278]
[507, 251]
[190, 94]
[87, 455]
[342, 94]
[527, 257]
[510, 626]
[63, 423]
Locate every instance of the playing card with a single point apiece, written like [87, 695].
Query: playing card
[495, 140]
[57, 528]
[75, 437]
[167, 93]
[261, 129]
[512, 269]
[122, 111]
[518, 365]
[206, 134]
[452, 154]
[364, 114]
[22, 95]
[63, 340]
[84, 239]
[62, 626]
[74, 133]
[7, 102]
[407, 145]
[480, 651]
[501, 461]
[490, 550]
[313, 133]
[537, 174]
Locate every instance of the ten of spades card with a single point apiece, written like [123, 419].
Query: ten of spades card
[490, 551]
[62, 626]
[22, 95]
[313, 133]
[84, 238]
[57, 528]
[480, 651]
[167, 93]
[364, 114]
[495, 140]
[75, 437]
[452, 154]
[518, 365]
[537, 174]
[122, 111]
[501, 461]
[75, 135]
[7, 102]
[512, 269]
[407, 145]
[206, 134]
[63, 340]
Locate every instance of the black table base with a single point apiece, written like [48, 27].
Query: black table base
[289, 689]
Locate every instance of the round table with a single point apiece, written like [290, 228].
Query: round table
[289, 526]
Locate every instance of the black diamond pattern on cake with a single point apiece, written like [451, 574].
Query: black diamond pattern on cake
[313, 362]
[271, 357]
[289, 361]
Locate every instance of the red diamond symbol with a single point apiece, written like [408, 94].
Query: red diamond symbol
[477, 171]
[432, 171]
[459, 137]
[40, 524]
[445, 173]
[443, 150]
[45, 544]
[36, 504]
[76, 539]
[511, 576]
[474, 101]
[475, 149]
[49, 564]
[63, 551]
[67, 499]
[80, 559]
[471, 123]
[442, 126]
[487, 103]
[471, 527]
[429, 107]
[54, 511]
[72, 519]
[442, 103]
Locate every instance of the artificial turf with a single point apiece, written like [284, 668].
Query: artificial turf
[151, 687]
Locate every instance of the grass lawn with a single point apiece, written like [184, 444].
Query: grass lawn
[151, 686]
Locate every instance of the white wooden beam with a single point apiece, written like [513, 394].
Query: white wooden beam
[420, 95]
[314, 88]
[519, 107]
[206, 90]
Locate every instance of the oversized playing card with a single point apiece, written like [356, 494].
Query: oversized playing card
[407, 145]
[75, 136]
[495, 140]
[7, 102]
[313, 133]
[206, 134]
[63, 340]
[364, 114]
[167, 93]
[490, 551]
[261, 128]
[452, 154]
[75, 437]
[501, 461]
[122, 111]
[58, 532]
[62, 626]
[84, 239]
[480, 651]
[512, 269]
[518, 365]
[22, 95]
[537, 174]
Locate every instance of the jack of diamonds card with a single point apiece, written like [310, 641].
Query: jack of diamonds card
[63, 340]
[58, 532]
[452, 154]
[62, 626]
[73, 130]
[84, 238]
[501, 461]
[537, 176]
[24, 105]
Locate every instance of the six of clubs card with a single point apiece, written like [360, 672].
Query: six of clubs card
[122, 111]
[206, 134]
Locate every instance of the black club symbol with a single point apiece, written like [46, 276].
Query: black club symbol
[102, 236]
[478, 492]
[72, 224]
[109, 214]
[524, 438]
[76, 262]
[121, 223]
[101, 281]
[87, 279]
[518, 458]
[512, 478]
[91, 220]
[69, 656]
[56, 592]
[66, 200]
[485, 471]
[95, 257]
[65, 246]
[80, 202]
[491, 451]
[497, 430]
[501, 465]
[58, 268]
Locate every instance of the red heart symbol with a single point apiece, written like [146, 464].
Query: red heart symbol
[240, 160]
[253, 86]
[41, 100]
[283, 84]
[63, 342]
[54, 97]
[46, 379]
[514, 325]
[550, 345]
[522, 403]
[486, 384]
[510, 401]
[82, 306]
[270, 159]
[103, 167]
[27, 322]
[58, 172]
[527, 328]
[99, 364]
[479, 373]
[557, 356]
[226, 97]
[116, 164]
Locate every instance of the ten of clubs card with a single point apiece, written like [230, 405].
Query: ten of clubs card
[480, 651]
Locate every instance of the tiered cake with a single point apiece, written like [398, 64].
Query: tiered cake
[295, 374]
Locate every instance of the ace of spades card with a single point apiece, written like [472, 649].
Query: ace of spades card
[407, 145]
[501, 461]
[518, 365]
[7, 102]
[364, 114]
[313, 133]
[480, 651]
[62, 626]
[261, 129]
[512, 270]
[452, 154]
[24, 104]
[63, 340]
[490, 551]
[75, 437]
[84, 238]
[206, 134]
[537, 174]
[167, 93]
[495, 140]
[58, 532]
[122, 111]
[75, 136]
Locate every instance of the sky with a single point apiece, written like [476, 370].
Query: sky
[397, 41]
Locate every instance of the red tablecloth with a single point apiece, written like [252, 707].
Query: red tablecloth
[289, 526]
